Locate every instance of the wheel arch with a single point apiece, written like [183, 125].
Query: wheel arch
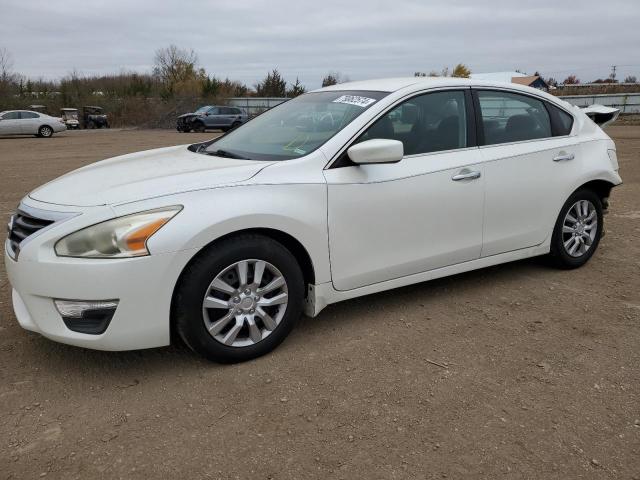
[296, 248]
[600, 187]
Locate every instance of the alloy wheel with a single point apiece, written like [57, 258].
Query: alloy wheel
[245, 303]
[579, 228]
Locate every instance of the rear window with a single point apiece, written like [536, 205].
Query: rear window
[561, 121]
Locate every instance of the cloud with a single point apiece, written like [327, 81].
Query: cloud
[362, 39]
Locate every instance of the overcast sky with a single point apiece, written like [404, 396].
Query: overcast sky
[243, 39]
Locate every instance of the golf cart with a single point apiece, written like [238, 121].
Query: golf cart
[93, 117]
[70, 118]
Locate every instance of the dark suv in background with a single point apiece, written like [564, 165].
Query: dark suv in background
[213, 117]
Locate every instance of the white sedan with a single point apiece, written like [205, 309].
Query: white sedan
[26, 122]
[342, 192]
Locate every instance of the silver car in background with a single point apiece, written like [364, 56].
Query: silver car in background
[26, 122]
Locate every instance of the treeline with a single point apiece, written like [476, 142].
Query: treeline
[176, 85]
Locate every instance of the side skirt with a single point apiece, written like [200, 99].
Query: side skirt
[321, 295]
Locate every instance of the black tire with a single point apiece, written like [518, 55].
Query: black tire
[45, 131]
[235, 125]
[91, 125]
[559, 253]
[198, 127]
[187, 311]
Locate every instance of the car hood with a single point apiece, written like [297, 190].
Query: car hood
[143, 175]
[189, 115]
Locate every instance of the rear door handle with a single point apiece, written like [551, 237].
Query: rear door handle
[466, 175]
[563, 157]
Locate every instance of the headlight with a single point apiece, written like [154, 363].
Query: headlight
[117, 238]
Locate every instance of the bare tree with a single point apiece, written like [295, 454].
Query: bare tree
[10, 82]
[631, 79]
[175, 65]
[6, 66]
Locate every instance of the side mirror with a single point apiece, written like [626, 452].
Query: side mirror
[378, 150]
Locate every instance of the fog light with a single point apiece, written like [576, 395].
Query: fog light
[91, 316]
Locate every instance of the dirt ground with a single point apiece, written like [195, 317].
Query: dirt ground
[539, 375]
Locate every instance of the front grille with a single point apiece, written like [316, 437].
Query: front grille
[22, 226]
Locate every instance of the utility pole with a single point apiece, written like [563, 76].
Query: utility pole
[613, 72]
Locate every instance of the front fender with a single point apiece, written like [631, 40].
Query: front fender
[297, 210]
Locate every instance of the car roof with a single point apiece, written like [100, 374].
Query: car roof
[411, 84]
[22, 110]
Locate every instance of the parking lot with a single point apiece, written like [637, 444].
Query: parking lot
[515, 371]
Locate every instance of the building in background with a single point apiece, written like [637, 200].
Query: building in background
[534, 81]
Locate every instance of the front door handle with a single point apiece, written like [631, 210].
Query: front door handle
[563, 157]
[466, 175]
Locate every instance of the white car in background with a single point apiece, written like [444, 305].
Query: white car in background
[342, 192]
[27, 122]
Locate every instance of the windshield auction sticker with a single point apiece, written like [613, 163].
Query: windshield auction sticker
[355, 100]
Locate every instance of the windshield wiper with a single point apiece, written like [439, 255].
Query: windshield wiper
[226, 154]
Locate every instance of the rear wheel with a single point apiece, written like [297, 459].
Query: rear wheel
[240, 299]
[578, 230]
[45, 131]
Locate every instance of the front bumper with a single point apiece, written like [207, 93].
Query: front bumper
[144, 287]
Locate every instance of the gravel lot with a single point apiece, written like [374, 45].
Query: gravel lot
[539, 375]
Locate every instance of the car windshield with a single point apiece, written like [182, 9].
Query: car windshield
[202, 109]
[295, 128]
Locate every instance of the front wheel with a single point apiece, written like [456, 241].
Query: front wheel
[578, 229]
[239, 299]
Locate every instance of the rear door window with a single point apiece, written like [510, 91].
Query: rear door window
[510, 117]
[26, 115]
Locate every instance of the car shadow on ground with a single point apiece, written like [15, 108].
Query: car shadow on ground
[22, 137]
[178, 358]
[448, 288]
